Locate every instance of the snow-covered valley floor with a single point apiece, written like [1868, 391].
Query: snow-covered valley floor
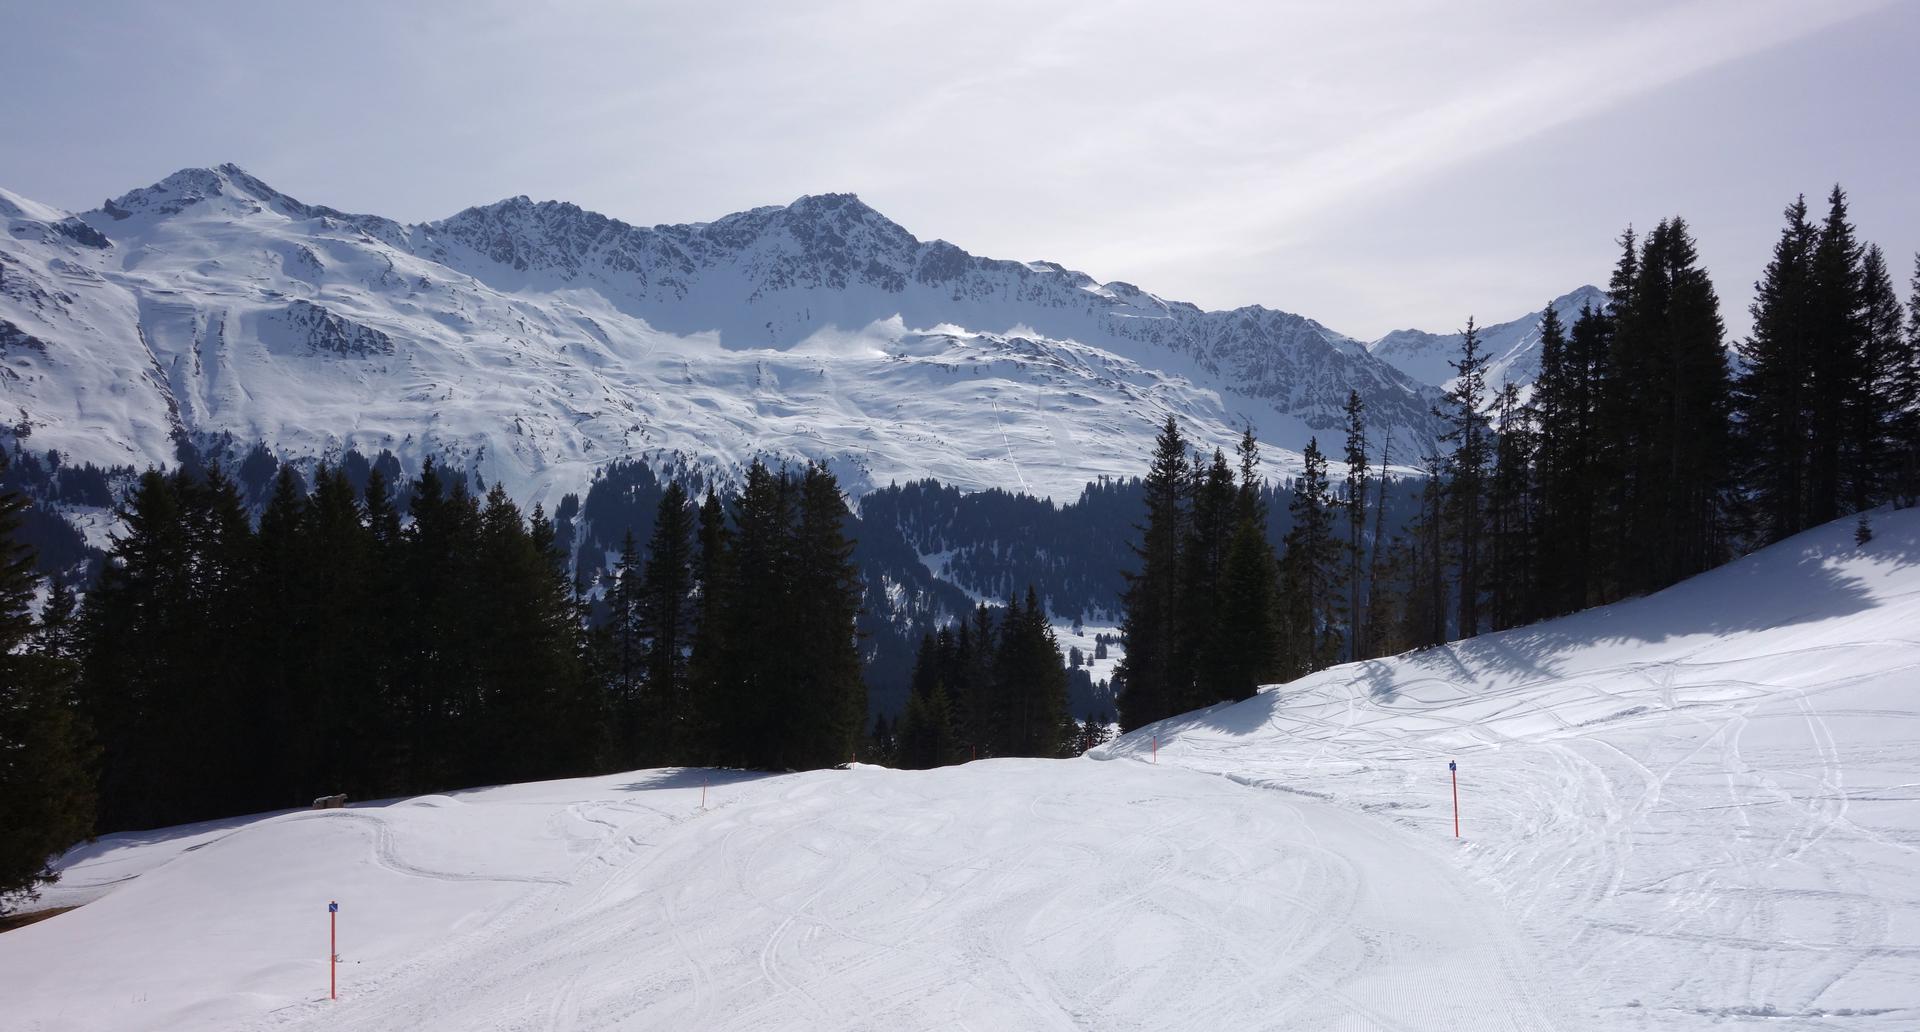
[1696, 810]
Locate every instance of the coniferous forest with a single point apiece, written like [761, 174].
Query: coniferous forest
[991, 685]
[1646, 452]
[222, 665]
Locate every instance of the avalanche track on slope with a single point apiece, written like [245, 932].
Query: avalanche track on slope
[1698, 809]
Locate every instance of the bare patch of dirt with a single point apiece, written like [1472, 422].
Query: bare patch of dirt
[8, 922]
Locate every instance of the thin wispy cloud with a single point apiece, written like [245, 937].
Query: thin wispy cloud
[1496, 105]
[1219, 152]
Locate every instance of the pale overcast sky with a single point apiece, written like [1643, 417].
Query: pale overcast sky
[1373, 165]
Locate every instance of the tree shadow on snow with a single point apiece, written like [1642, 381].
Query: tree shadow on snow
[1812, 577]
[76, 860]
[691, 777]
[1794, 582]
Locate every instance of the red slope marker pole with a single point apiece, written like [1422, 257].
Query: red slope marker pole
[1156, 748]
[333, 949]
[1453, 768]
[703, 791]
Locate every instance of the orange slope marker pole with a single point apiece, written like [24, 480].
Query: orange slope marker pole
[333, 949]
[1453, 768]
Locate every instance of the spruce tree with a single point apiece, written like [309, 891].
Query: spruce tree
[830, 704]
[521, 715]
[1356, 506]
[46, 775]
[1772, 395]
[1835, 370]
[1309, 597]
[160, 667]
[1620, 441]
[925, 736]
[137, 612]
[754, 687]
[1904, 391]
[339, 720]
[222, 690]
[283, 745]
[1682, 492]
[1244, 636]
[665, 616]
[1512, 561]
[562, 629]
[383, 518]
[59, 631]
[884, 743]
[1376, 623]
[1467, 472]
[1203, 659]
[973, 675]
[1566, 405]
[505, 733]
[625, 664]
[1033, 684]
[1423, 616]
[1149, 673]
[706, 659]
[380, 642]
[1881, 396]
[437, 691]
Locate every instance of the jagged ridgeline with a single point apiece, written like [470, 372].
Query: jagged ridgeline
[536, 342]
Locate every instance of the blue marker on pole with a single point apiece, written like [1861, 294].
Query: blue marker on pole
[333, 951]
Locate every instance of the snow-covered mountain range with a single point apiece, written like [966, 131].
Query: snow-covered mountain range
[1512, 348]
[534, 342]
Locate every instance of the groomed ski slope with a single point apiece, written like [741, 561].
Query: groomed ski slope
[1696, 810]
[1705, 804]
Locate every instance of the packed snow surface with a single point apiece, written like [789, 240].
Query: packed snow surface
[1704, 804]
[1695, 810]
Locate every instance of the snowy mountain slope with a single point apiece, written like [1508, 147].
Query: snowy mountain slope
[1512, 348]
[1695, 810]
[1005, 894]
[1707, 801]
[534, 342]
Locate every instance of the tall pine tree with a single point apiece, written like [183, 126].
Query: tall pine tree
[1245, 639]
[1148, 675]
[1773, 393]
[46, 775]
[1309, 598]
[664, 615]
[1467, 472]
[1356, 506]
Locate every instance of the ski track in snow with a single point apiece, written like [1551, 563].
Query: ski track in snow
[1696, 810]
[1702, 803]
